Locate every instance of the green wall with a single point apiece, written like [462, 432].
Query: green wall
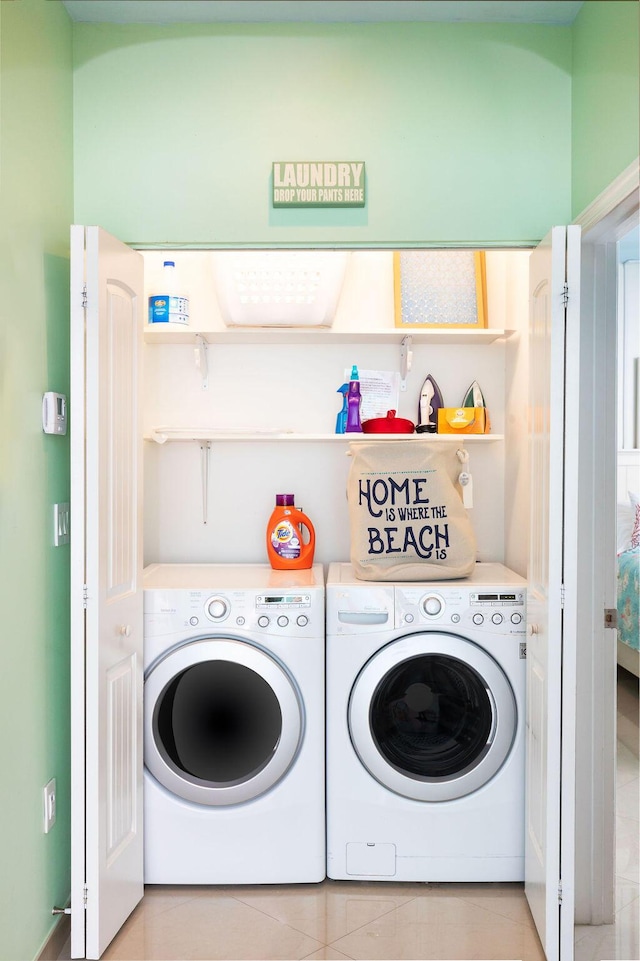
[478, 133]
[464, 128]
[35, 211]
[605, 96]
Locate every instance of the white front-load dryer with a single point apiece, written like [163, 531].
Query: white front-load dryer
[233, 724]
[425, 727]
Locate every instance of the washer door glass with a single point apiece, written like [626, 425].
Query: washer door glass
[223, 721]
[432, 717]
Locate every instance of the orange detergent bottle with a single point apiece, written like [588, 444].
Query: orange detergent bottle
[287, 548]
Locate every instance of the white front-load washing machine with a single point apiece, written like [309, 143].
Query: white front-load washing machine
[425, 727]
[233, 724]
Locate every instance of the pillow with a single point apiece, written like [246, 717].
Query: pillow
[635, 520]
[624, 518]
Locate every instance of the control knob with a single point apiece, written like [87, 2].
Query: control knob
[217, 608]
[432, 605]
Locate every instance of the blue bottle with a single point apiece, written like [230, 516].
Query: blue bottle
[354, 401]
[341, 419]
[170, 306]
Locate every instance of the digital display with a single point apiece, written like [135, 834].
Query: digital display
[517, 597]
[283, 600]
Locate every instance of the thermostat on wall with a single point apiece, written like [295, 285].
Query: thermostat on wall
[54, 413]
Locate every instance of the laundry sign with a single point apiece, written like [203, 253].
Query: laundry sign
[322, 183]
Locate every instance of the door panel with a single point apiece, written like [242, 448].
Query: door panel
[554, 277]
[107, 870]
[546, 412]
[432, 717]
[223, 721]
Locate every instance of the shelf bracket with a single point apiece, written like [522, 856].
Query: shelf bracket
[205, 450]
[406, 356]
[202, 364]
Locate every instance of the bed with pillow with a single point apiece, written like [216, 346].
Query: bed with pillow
[628, 571]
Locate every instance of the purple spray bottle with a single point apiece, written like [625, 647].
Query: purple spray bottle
[354, 400]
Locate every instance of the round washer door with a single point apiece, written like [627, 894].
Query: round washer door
[223, 721]
[432, 717]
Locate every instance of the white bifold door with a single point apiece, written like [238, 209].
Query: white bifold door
[106, 585]
[554, 377]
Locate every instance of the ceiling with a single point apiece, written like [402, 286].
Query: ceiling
[558, 12]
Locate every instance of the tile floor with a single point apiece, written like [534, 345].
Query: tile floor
[621, 940]
[333, 919]
[362, 920]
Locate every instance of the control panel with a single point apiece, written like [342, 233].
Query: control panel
[296, 613]
[497, 610]
[283, 610]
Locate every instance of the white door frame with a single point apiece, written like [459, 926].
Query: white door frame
[604, 222]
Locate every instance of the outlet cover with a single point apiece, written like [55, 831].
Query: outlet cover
[49, 798]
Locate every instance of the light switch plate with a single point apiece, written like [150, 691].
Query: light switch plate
[60, 524]
[49, 797]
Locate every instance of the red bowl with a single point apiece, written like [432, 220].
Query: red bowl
[388, 425]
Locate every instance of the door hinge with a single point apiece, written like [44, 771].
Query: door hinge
[85, 595]
[559, 892]
[85, 302]
[85, 896]
[562, 596]
[611, 617]
[565, 295]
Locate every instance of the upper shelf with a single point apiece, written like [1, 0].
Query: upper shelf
[323, 335]
[206, 435]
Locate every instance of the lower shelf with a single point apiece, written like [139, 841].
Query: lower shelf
[205, 437]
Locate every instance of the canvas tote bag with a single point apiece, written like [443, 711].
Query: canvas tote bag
[407, 520]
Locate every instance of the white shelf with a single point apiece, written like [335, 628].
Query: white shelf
[319, 335]
[202, 435]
